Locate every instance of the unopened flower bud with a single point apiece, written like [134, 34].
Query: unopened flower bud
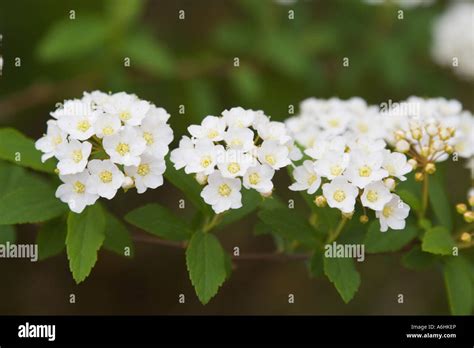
[466, 237]
[389, 183]
[425, 151]
[56, 171]
[127, 183]
[364, 219]
[461, 208]
[431, 129]
[438, 145]
[444, 134]
[399, 135]
[430, 168]
[448, 149]
[201, 178]
[413, 163]
[416, 133]
[419, 176]
[402, 146]
[320, 201]
[469, 216]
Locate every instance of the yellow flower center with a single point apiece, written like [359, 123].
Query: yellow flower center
[77, 156]
[254, 178]
[79, 187]
[224, 190]
[365, 171]
[125, 116]
[236, 142]
[363, 127]
[57, 140]
[270, 159]
[312, 179]
[108, 131]
[387, 211]
[391, 170]
[83, 126]
[122, 149]
[148, 138]
[336, 170]
[206, 161]
[212, 134]
[372, 196]
[334, 122]
[105, 176]
[143, 169]
[339, 195]
[233, 167]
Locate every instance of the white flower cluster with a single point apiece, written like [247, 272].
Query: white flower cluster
[453, 39]
[104, 142]
[431, 128]
[345, 143]
[240, 147]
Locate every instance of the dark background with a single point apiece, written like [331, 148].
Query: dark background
[190, 62]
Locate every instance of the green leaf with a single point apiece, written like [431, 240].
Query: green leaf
[17, 148]
[148, 53]
[411, 199]
[418, 260]
[158, 220]
[438, 241]
[7, 234]
[11, 177]
[207, 265]
[73, 38]
[85, 235]
[459, 286]
[250, 201]
[343, 274]
[29, 205]
[316, 264]
[117, 237]
[123, 12]
[439, 200]
[188, 185]
[391, 240]
[290, 225]
[51, 238]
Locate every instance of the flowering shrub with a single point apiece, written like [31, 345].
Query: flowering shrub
[351, 163]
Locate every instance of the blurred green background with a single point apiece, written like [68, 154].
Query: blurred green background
[190, 62]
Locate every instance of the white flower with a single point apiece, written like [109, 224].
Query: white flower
[239, 138]
[274, 131]
[375, 196]
[97, 98]
[125, 147]
[182, 155]
[149, 174]
[128, 108]
[335, 122]
[332, 165]
[105, 178]
[340, 194]
[157, 135]
[364, 169]
[393, 214]
[49, 143]
[238, 117]
[211, 127]
[73, 156]
[78, 120]
[273, 154]
[74, 191]
[259, 177]
[306, 178]
[204, 157]
[233, 163]
[222, 193]
[396, 165]
[324, 144]
[295, 153]
[107, 125]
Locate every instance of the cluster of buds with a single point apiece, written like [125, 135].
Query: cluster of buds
[462, 208]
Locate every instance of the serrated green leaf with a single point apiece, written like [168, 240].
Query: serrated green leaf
[188, 185]
[7, 234]
[207, 265]
[459, 286]
[29, 205]
[20, 150]
[391, 240]
[72, 38]
[148, 53]
[117, 237]
[418, 260]
[439, 200]
[438, 241]
[51, 238]
[250, 201]
[343, 274]
[289, 224]
[160, 221]
[85, 235]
